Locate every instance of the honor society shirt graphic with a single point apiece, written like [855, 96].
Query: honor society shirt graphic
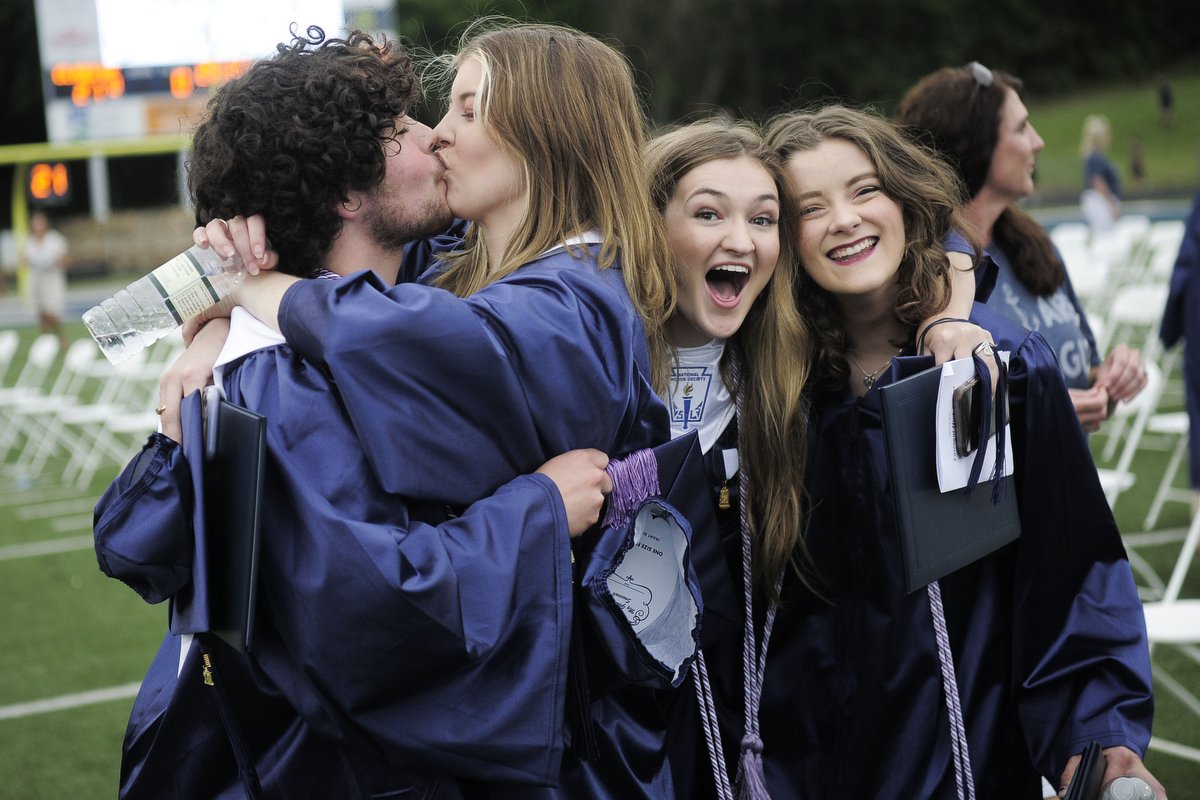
[699, 399]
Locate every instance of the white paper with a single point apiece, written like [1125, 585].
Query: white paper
[651, 571]
[953, 470]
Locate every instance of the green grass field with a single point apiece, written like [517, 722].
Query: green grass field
[1172, 154]
[70, 630]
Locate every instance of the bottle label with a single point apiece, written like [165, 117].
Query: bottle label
[184, 287]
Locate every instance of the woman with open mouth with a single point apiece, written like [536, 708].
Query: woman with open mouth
[854, 698]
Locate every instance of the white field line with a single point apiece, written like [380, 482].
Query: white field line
[81, 522]
[46, 547]
[21, 496]
[67, 701]
[1175, 749]
[56, 508]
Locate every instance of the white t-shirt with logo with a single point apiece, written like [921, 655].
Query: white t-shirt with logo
[699, 399]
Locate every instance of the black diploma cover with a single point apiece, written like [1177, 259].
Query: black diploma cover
[234, 458]
[1085, 783]
[939, 533]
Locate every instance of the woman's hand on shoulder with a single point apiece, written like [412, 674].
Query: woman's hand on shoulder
[244, 236]
[950, 339]
[583, 484]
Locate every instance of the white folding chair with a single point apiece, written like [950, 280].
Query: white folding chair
[1133, 319]
[1119, 478]
[31, 381]
[1163, 241]
[1088, 273]
[105, 429]
[1124, 248]
[35, 415]
[1070, 234]
[1170, 619]
[10, 340]
[1172, 424]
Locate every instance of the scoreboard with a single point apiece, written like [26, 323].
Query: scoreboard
[127, 69]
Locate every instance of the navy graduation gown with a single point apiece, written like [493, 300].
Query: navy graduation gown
[550, 358]
[580, 317]
[451, 397]
[381, 642]
[1181, 320]
[1048, 637]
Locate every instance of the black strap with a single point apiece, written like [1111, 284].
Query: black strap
[934, 324]
[247, 774]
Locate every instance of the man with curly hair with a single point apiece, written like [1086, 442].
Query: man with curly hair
[319, 142]
[358, 653]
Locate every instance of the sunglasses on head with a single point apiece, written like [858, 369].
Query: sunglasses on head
[981, 75]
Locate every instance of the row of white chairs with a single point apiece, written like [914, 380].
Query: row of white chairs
[1136, 250]
[72, 412]
[1122, 279]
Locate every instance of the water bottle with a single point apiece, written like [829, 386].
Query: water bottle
[153, 306]
[1127, 788]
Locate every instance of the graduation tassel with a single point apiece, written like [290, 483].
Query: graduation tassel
[247, 773]
[998, 485]
[634, 478]
[752, 782]
[985, 418]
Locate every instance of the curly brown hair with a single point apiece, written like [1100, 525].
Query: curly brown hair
[930, 197]
[293, 135]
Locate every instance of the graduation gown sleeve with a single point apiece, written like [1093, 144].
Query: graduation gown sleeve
[142, 523]
[1183, 275]
[1080, 652]
[442, 645]
[549, 359]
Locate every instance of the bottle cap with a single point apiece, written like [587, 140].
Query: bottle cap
[1127, 788]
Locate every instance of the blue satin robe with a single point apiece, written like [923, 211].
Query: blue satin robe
[551, 358]
[1181, 320]
[1048, 637]
[382, 643]
[466, 638]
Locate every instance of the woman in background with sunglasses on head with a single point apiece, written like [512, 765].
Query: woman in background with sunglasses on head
[975, 118]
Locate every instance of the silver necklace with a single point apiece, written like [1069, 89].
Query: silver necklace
[869, 378]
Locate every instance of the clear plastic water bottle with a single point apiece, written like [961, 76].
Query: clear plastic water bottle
[153, 306]
[1127, 788]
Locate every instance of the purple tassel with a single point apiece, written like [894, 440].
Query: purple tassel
[752, 782]
[634, 479]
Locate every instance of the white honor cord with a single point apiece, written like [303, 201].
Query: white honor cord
[711, 726]
[958, 731]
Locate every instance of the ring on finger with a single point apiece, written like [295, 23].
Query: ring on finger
[984, 349]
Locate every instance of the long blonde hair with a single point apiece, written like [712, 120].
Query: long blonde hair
[563, 105]
[1096, 135]
[770, 350]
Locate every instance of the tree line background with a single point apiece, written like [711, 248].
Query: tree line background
[754, 57]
